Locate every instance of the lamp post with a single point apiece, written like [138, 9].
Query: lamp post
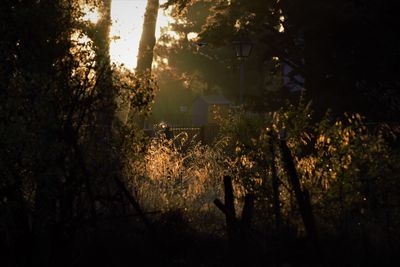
[243, 47]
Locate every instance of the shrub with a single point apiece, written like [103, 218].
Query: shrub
[347, 165]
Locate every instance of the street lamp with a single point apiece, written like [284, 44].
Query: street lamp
[243, 47]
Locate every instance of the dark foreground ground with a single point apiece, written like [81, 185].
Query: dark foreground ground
[126, 242]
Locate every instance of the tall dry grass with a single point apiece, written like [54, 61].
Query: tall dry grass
[180, 174]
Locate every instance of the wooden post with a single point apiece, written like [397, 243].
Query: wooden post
[275, 184]
[303, 198]
[230, 210]
[237, 230]
[203, 134]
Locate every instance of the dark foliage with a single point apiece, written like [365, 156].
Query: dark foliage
[328, 191]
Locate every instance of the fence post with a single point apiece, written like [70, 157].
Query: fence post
[302, 198]
[231, 221]
[203, 134]
[275, 184]
[237, 230]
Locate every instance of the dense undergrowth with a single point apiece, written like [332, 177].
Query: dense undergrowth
[349, 167]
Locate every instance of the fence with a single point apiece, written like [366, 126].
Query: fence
[206, 134]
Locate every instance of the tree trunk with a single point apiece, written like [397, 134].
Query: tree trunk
[148, 39]
[102, 46]
[146, 46]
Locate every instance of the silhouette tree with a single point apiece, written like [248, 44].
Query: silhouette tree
[148, 39]
[344, 51]
[57, 111]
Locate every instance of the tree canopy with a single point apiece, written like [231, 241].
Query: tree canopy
[344, 51]
[75, 173]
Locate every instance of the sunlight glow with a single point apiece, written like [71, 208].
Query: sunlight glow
[82, 45]
[83, 53]
[281, 27]
[192, 36]
[127, 21]
[91, 14]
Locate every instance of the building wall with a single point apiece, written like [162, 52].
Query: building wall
[199, 113]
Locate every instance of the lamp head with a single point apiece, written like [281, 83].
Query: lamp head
[242, 44]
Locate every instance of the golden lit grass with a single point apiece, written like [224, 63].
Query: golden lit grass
[179, 174]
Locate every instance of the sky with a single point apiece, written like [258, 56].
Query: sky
[127, 22]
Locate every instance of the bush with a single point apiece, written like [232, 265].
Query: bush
[347, 166]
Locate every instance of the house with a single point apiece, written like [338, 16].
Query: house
[207, 109]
